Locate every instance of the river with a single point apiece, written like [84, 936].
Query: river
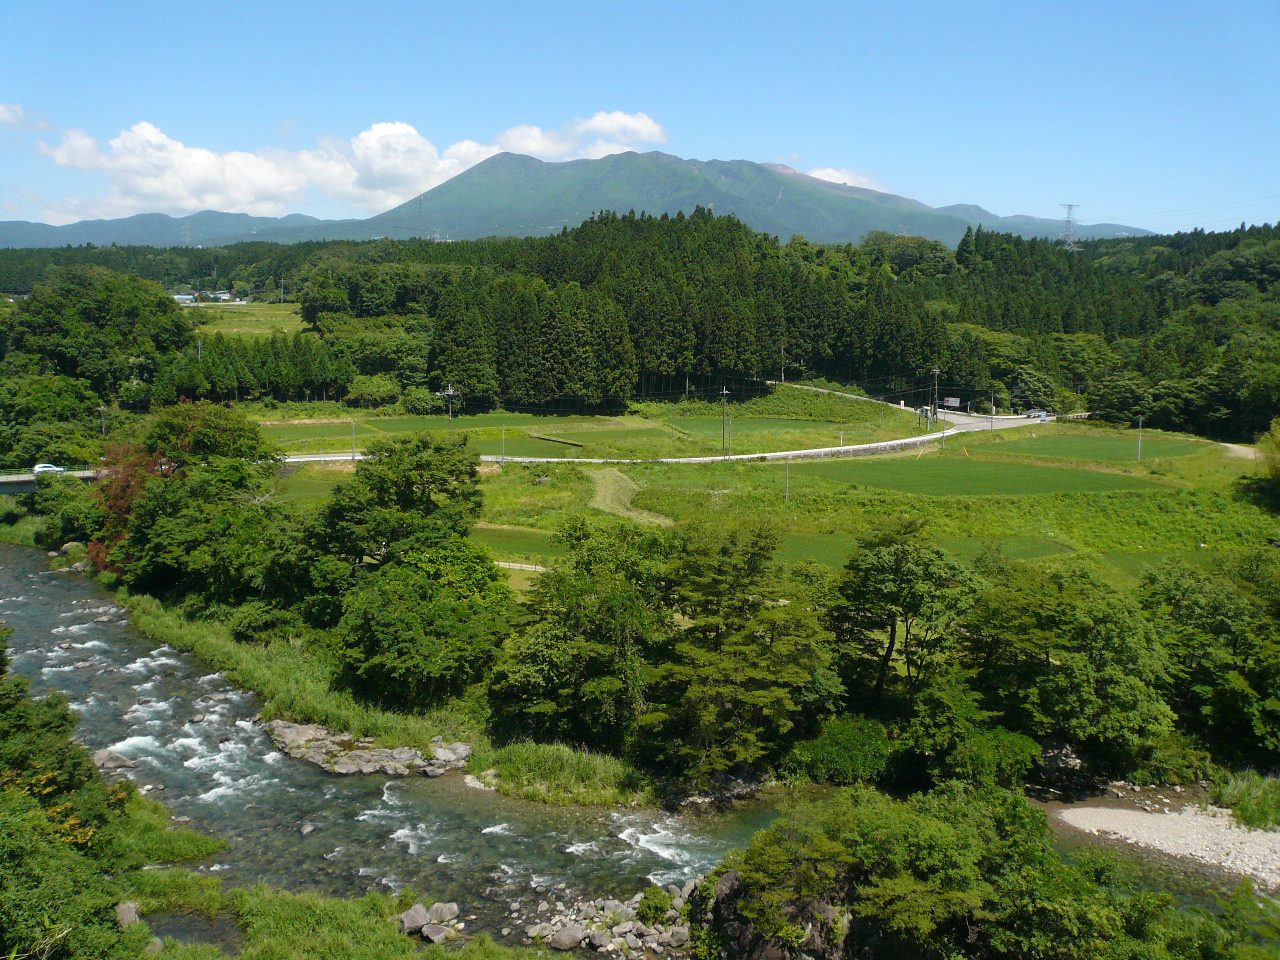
[194, 735]
[195, 740]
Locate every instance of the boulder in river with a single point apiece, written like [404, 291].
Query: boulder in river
[566, 938]
[435, 932]
[110, 760]
[343, 754]
[442, 912]
[413, 919]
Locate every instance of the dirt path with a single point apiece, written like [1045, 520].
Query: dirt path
[1240, 450]
[614, 491]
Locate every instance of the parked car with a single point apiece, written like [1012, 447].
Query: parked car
[47, 468]
[1034, 414]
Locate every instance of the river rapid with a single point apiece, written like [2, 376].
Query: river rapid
[194, 739]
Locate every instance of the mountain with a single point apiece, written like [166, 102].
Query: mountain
[513, 195]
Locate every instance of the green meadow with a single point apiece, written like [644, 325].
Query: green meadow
[1057, 493]
[245, 319]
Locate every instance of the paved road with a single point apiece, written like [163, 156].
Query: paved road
[956, 423]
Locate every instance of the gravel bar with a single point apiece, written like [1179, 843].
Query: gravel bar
[1210, 836]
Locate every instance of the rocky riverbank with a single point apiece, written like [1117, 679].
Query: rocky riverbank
[555, 919]
[343, 754]
[1208, 835]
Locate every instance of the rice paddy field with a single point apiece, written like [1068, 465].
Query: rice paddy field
[1069, 494]
[651, 431]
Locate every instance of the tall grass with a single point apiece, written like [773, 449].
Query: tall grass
[555, 773]
[148, 834]
[1254, 798]
[296, 683]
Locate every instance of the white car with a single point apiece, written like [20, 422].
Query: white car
[47, 468]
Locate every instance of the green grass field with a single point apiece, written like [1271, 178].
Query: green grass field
[1062, 496]
[787, 420]
[245, 319]
[1114, 448]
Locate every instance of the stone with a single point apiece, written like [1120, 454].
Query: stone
[674, 890]
[679, 936]
[506, 931]
[126, 913]
[543, 906]
[566, 938]
[632, 941]
[413, 919]
[688, 888]
[442, 912]
[625, 927]
[599, 938]
[343, 767]
[110, 760]
[72, 545]
[435, 932]
[307, 829]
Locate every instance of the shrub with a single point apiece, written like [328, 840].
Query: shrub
[258, 622]
[420, 400]
[1174, 758]
[848, 750]
[376, 390]
[995, 756]
[10, 511]
[653, 905]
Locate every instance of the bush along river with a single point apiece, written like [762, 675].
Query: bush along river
[196, 744]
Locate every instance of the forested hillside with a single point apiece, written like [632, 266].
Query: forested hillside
[1183, 331]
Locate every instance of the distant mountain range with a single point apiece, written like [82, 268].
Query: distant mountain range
[510, 195]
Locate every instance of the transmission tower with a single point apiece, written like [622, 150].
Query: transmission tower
[1068, 235]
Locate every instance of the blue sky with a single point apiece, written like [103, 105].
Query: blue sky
[1163, 115]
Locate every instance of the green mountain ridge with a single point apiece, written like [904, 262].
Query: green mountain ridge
[514, 195]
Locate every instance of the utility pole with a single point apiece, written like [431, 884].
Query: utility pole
[503, 461]
[1140, 438]
[934, 408]
[449, 393]
[842, 438]
[724, 413]
[993, 409]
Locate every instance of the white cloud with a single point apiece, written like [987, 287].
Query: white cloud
[623, 127]
[13, 115]
[854, 178]
[148, 171]
[537, 142]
